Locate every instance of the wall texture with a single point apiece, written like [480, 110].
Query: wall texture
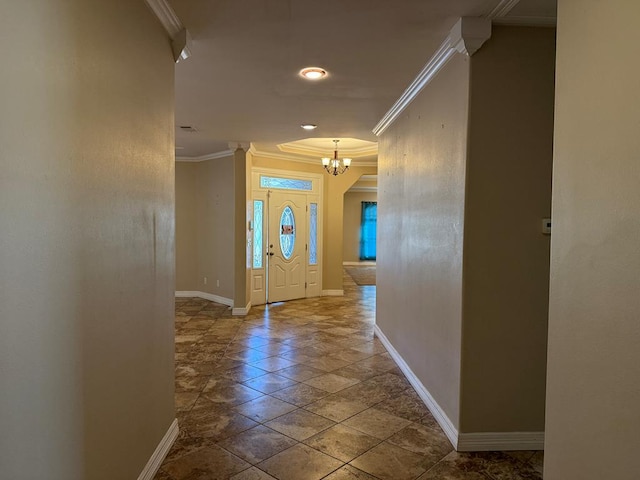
[593, 386]
[421, 190]
[506, 256]
[186, 226]
[204, 227]
[352, 219]
[87, 249]
[215, 226]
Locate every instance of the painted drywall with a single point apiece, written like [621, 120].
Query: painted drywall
[334, 189]
[506, 256]
[352, 218]
[421, 183]
[593, 384]
[87, 244]
[215, 230]
[187, 226]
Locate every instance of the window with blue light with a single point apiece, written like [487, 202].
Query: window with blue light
[258, 212]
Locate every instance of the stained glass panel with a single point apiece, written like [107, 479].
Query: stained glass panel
[285, 183]
[287, 232]
[313, 234]
[257, 233]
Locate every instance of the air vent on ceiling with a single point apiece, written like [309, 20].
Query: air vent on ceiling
[188, 128]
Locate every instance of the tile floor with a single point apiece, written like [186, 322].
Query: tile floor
[302, 391]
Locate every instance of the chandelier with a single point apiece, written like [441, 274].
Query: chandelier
[335, 166]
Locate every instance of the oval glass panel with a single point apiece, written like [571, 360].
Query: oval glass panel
[287, 233]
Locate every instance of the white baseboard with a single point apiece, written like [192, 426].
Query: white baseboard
[500, 441]
[241, 311]
[438, 413]
[464, 442]
[153, 465]
[359, 264]
[332, 293]
[207, 296]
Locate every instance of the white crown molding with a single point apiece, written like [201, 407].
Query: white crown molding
[363, 189]
[469, 34]
[153, 465]
[500, 441]
[438, 413]
[310, 161]
[503, 8]
[207, 296]
[323, 152]
[473, 28]
[167, 16]
[233, 146]
[369, 178]
[433, 66]
[203, 158]
[526, 21]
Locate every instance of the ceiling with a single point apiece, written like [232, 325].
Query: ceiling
[241, 83]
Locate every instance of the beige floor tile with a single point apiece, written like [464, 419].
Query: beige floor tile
[408, 406]
[210, 462]
[191, 383]
[215, 423]
[432, 444]
[377, 423]
[248, 355]
[273, 364]
[349, 473]
[342, 442]
[265, 408]
[388, 462]
[185, 400]
[233, 394]
[257, 444]
[269, 383]
[336, 408]
[300, 463]
[252, 473]
[243, 373]
[330, 382]
[300, 424]
[300, 394]
[298, 341]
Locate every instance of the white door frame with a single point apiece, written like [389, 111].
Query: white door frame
[313, 272]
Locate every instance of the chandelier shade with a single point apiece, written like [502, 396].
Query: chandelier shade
[335, 166]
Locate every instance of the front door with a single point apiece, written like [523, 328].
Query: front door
[287, 245]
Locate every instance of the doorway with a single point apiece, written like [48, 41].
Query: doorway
[286, 236]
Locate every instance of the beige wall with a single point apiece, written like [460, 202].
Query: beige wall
[464, 183]
[186, 226]
[205, 226]
[593, 386]
[421, 184]
[352, 220]
[334, 189]
[87, 249]
[215, 231]
[506, 256]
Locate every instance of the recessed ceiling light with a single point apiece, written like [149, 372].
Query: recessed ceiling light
[309, 126]
[313, 73]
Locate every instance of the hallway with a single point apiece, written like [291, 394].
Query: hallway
[303, 390]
